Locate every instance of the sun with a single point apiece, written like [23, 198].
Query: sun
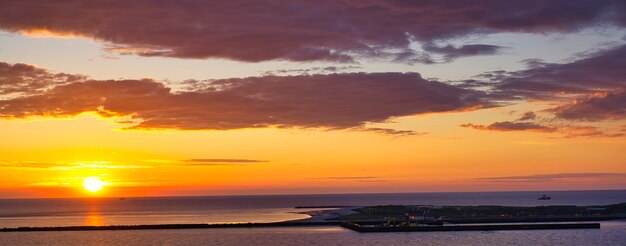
[93, 184]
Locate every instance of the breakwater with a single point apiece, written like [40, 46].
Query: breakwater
[494, 227]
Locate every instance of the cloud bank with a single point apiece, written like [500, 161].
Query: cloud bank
[308, 30]
[603, 106]
[590, 88]
[331, 101]
[597, 72]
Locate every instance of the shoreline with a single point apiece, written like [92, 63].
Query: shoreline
[328, 213]
[169, 226]
[457, 226]
[496, 224]
[337, 216]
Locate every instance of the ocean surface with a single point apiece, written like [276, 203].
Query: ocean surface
[612, 233]
[232, 209]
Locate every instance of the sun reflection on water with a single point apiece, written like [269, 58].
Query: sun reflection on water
[94, 218]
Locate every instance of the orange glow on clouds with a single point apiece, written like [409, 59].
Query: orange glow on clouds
[45, 33]
[156, 98]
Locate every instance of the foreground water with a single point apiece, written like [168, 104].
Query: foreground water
[229, 209]
[233, 209]
[612, 233]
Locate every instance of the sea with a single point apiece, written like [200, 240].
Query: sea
[274, 208]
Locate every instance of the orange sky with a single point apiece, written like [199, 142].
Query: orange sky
[50, 158]
[180, 105]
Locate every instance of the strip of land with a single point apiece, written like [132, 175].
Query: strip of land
[168, 226]
[487, 214]
[429, 218]
[493, 227]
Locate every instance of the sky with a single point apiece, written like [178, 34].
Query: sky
[185, 98]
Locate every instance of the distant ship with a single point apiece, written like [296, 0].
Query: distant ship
[544, 197]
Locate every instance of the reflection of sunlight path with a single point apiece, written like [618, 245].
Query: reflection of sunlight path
[94, 218]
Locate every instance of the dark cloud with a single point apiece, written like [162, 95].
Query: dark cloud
[597, 81]
[313, 70]
[568, 131]
[450, 52]
[597, 72]
[512, 126]
[604, 106]
[442, 54]
[388, 131]
[19, 79]
[306, 30]
[332, 101]
[530, 115]
[557, 176]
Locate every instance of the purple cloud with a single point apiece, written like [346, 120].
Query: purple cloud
[19, 79]
[450, 53]
[600, 71]
[568, 131]
[306, 30]
[388, 131]
[512, 126]
[605, 106]
[597, 81]
[332, 101]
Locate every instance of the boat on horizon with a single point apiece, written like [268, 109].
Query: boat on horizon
[544, 197]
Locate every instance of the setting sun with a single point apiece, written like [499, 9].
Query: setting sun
[93, 184]
[313, 122]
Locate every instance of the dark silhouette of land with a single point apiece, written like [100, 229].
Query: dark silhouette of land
[414, 217]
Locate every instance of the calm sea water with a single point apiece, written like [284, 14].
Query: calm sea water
[612, 233]
[229, 209]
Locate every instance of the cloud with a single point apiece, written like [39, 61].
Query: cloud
[22, 79]
[568, 131]
[596, 72]
[224, 160]
[220, 162]
[307, 30]
[530, 115]
[587, 131]
[596, 81]
[30, 165]
[512, 126]
[328, 101]
[312, 70]
[450, 52]
[63, 166]
[388, 131]
[348, 178]
[557, 177]
[600, 106]
[433, 53]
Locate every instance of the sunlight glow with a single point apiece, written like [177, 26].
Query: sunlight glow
[93, 184]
